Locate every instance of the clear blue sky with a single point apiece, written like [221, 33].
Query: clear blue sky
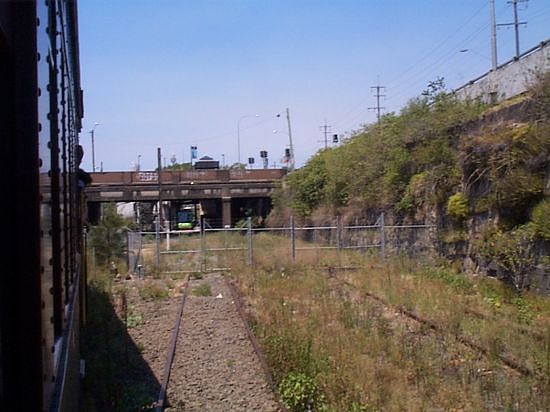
[176, 73]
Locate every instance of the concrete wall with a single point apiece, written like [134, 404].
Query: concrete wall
[511, 78]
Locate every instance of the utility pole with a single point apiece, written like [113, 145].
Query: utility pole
[159, 209]
[493, 35]
[325, 129]
[515, 23]
[93, 151]
[290, 140]
[93, 148]
[159, 176]
[378, 109]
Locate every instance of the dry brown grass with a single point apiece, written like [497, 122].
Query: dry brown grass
[366, 354]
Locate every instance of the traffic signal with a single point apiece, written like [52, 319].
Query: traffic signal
[287, 152]
[334, 138]
[263, 154]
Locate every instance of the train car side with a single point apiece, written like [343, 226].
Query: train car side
[42, 281]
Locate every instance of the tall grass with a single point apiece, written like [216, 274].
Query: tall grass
[320, 322]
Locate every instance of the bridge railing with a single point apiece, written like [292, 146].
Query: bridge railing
[185, 176]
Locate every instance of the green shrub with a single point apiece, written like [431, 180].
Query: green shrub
[457, 207]
[540, 220]
[153, 291]
[202, 290]
[301, 393]
[513, 253]
[108, 238]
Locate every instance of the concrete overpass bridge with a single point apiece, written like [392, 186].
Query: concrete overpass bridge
[224, 195]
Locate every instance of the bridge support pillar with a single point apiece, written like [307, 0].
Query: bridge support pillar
[226, 211]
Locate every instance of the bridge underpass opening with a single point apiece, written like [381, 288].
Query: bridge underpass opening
[216, 215]
[217, 212]
[254, 207]
[185, 214]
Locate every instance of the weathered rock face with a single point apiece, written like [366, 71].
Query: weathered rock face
[505, 167]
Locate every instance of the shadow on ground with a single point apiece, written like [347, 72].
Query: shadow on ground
[117, 377]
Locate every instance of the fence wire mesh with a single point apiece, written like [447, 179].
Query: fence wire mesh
[332, 246]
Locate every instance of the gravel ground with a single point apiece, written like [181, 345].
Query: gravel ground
[215, 367]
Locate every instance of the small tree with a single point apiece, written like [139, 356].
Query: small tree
[109, 237]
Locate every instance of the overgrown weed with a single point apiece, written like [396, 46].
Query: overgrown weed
[367, 356]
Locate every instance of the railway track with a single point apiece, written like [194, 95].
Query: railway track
[213, 361]
[463, 339]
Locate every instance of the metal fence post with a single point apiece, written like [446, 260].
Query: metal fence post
[339, 240]
[249, 235]
[292, 239]
[382, 236]
[168, 236]
[317, 248]
[225, 245]
[140, 250]
[157, 238]
[203, 245]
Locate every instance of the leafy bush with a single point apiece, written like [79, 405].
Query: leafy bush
[457, 207]
[513, 253]
[301, 393]
[108, 239]
[540, 220]
[307, 185]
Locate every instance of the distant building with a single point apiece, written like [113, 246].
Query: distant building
[206, 162]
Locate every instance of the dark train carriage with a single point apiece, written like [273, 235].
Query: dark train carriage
[42, 278]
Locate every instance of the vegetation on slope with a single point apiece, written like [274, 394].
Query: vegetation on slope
[437, 157]
[403, 161]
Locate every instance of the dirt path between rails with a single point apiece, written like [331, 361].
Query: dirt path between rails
[215, 367]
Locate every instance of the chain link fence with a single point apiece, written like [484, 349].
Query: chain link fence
[332, 246]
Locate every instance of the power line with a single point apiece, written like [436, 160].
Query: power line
[326, 130]
[433, 50]
[515, 23]
[406, 77]
[378, 108]
[411, 81]
[444, 59]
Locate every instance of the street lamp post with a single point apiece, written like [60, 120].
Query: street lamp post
[93, 149]
[239, 134]
[290, 146]
[138, 163]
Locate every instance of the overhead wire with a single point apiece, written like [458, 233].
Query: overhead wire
[414, 65]
[412, 80]
[344, 120]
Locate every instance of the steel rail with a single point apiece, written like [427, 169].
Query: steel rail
[259, 353]
[465, 340]
[170, 353]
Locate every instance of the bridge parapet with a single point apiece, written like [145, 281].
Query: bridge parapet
[255, 175]
[185, 176]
